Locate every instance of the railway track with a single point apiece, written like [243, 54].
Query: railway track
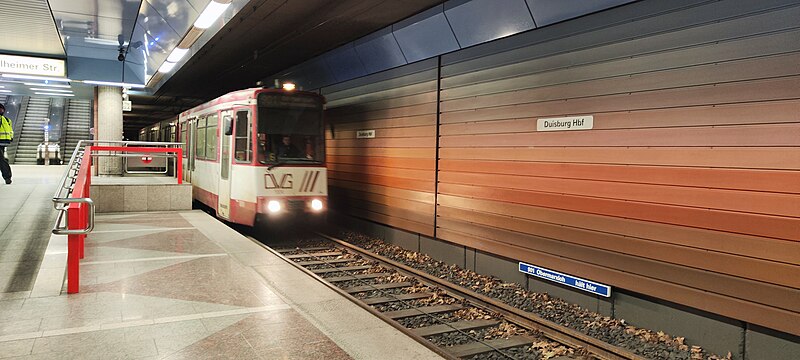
[455, 322]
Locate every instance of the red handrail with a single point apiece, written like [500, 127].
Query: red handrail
[78, 213]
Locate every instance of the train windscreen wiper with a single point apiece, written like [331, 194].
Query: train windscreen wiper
[276, 165]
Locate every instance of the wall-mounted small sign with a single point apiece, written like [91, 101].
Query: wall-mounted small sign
[365, 134]
[32, 65]
[565, 123]
[126, 105]
[564, 279]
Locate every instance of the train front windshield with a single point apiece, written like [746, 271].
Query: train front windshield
[290, 129]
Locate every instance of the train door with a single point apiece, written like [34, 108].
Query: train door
[192, 122]
[184, 140]
[226, 132]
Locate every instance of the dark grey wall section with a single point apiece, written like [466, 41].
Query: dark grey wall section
[403, 239]
[479, 21]
[547, 12]
[501, 268]
[718, 335]
[344, 63]
[592, 302]
[379, 51]
[443, 251]
[766, 344]
[425, 35]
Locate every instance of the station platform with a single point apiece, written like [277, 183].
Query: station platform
[181, 284]
[26, 220]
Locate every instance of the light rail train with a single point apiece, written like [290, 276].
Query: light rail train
[253, 154]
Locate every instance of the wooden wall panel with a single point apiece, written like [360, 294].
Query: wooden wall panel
[725, 242]
[686, 189]
[735, 179]
[776, 158]
[772, 112]
[770, 316]
[688, 181]
[389, 178]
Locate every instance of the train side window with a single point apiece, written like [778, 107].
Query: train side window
[184, 139]
[200, 139]
[212, 137]
[243, 147]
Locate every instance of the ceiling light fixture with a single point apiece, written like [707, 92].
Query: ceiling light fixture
[177, 54]
[5, 91]
[211, 13]
[166, 67]
[52, 94]
[49, 85]
[52, 90]
[32, 77]
[109, 83]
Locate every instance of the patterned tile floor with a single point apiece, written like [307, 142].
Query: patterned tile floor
[181, 285]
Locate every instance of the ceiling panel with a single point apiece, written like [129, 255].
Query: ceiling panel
[547, 12]
[344, 63]
[164, 37]
[379, 51]
[119, 9]
[425, 35]
[180, 15]
[478, 21]
[28, 28]
[88, 30]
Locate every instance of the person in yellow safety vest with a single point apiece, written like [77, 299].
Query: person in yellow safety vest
[6, 135]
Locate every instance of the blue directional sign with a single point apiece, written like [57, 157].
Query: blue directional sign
[564, 279]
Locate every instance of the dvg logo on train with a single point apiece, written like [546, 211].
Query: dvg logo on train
[286, 181]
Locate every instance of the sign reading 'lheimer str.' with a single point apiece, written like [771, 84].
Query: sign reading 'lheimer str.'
[365, 134]
[564, 279]
[565, 123]
[32, 66]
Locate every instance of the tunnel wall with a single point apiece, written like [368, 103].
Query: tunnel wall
[389, 178]
[686, 189]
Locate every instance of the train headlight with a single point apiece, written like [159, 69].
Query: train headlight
[316, 204]
[274, 206]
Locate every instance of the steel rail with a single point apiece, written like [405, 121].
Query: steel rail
[373, 287]
[549, 329]
[433, 347]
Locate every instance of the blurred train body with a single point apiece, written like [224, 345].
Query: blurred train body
[237, 158]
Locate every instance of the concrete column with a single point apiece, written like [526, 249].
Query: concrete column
[109, 126]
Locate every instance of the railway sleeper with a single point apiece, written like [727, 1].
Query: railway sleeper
[337, 269]
[454, 326]
[323, 262]
[399, 314]
[317, 254]
[356, 277]
[472, 349]
[358, 289]
[312, 249]
[401, 297]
